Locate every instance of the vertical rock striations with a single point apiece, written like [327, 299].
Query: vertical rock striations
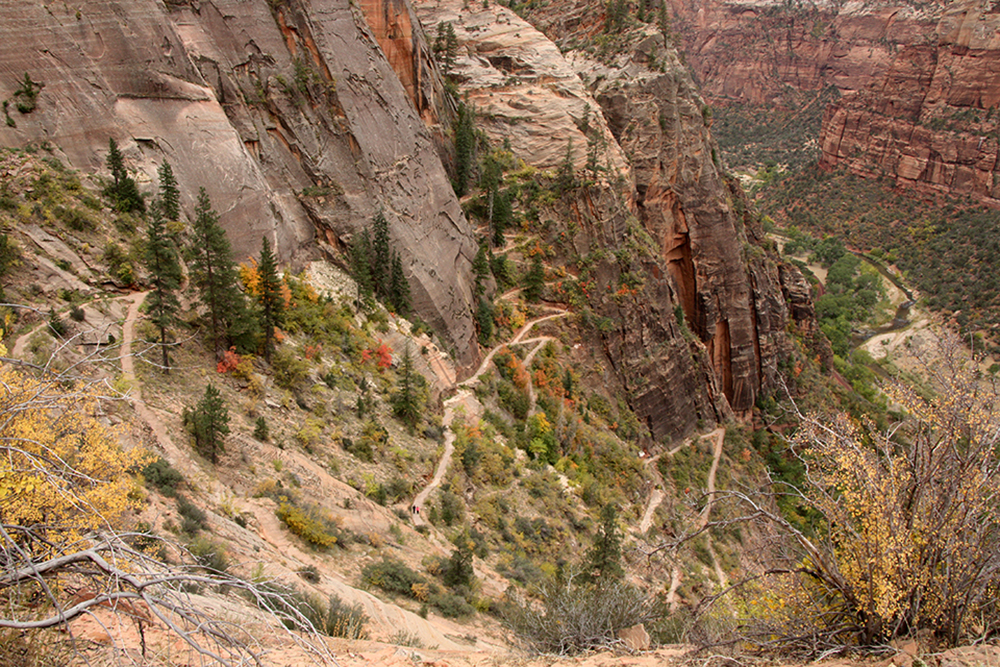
[699, 336]
[929, 121]
[288, 113]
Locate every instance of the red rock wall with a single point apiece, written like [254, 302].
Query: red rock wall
[930, 121]
[750, 52]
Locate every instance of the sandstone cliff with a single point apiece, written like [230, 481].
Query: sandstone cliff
[288, 113]
[928, 121]
[661, 203]
[750, 51]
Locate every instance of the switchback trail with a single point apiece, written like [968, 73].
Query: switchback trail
[466, 398]
[719, 434]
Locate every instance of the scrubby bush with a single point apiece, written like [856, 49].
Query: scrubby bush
[572, 618]
[163, 476]
[392, 576]
[909, 519]
[306, 525]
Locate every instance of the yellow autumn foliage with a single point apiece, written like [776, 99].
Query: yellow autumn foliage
[909, 538]
[63, 474]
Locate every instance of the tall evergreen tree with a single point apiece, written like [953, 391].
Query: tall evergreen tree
[605, 556]
[534, 281]
[170, 196]
[361, 265]
[484, 320]
[165, 277]
[381, 256]
[503, 216]
[406, 403]
[464, 132]
[215, 275]
[209, 422]
[399, 287]
[566, 178]
[270, 299]
[116, 163]
[124, 192]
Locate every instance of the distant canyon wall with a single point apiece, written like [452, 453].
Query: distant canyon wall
[931, 121]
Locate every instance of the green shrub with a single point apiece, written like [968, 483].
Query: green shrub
[290, 370]
[452, 606]
[260, 430]
[163, 476]
[344, 620]
[209, 555]
[392, 576]
[194, 519]
[573, 618]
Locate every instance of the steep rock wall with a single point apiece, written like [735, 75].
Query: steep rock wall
[749, 51]
[929, 122]
[662, 196]
[287, 113]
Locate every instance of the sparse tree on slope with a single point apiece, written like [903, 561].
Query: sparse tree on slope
[215, 276]
[170, 196]
[269, 298]
[165, 278]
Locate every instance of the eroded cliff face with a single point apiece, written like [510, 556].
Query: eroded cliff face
[928, 121]
[289, 114]
[749, 51]
[660, 204]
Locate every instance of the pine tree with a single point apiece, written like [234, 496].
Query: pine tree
[406, 403]
[269, 298]
[170, 196]
[450, 48]
[215, 276]
[124, 193]
[165, 277]
[484, 319]
[464, 132]
[381, 256]
[439, 39]
[534, 281]
[503, 216]
[116, 163]
[209, 422]
[361, 265]
[481, 269]
[459, 570]
[399, 287]
[566, 178]
[604, 558]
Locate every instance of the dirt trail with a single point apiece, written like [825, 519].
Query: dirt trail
[655, 497]
[720, 436]
[466, 399]
[179, 457]
[675, 576]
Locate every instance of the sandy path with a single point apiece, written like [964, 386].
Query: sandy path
[467, 400]
[179, 457]
[675, 576]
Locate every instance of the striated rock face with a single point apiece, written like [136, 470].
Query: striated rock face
[661, 204]
[257, 102]
[928, 121]
[750, 50]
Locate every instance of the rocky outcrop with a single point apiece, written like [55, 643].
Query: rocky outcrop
[928, 121]
[288, 113]
[660, 202]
